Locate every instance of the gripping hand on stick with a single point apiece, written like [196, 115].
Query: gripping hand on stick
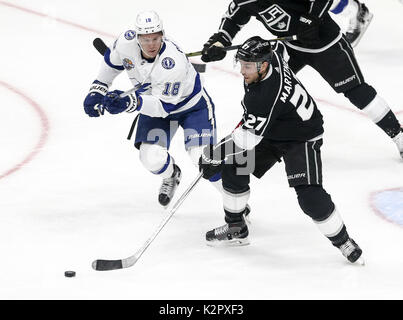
[114, 104]
[211, 162]
[116, 101]
[213, 48]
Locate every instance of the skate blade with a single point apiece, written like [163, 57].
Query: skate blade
[228, 243]
[360, 261]
[247, 220]
[363, 30]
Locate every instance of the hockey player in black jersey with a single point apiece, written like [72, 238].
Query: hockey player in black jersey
[320, 44]
[280, 121]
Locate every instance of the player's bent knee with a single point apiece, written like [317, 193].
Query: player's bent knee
[361, 95]
[153, 156]
[232, 182]
[315, 201]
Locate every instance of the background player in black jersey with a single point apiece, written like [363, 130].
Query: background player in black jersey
[320, 45]
[358, 17]
[280, 121]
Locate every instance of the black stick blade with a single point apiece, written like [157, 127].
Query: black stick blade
[199, 67]
[106, 265]
[100, 45]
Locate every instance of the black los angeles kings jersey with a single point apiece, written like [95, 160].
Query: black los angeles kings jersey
[281, 18]
[278, 107]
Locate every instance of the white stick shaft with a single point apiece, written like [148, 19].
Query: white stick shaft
[126, 93]
[128, 262]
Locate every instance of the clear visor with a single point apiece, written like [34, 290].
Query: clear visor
[150, 39]
[245, 66]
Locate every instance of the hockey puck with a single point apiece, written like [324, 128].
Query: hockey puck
[69, 274]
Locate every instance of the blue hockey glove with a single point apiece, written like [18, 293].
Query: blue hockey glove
[114, 104]
[93, 101]
[132, 102]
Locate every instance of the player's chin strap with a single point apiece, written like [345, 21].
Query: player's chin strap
[264, 74]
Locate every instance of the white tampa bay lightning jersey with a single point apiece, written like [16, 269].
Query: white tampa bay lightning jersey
[175, 84]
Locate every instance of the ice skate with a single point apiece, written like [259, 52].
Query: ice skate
[169, 186]
[399, 142]
[359, 24]
[230, 234]
[352, 251]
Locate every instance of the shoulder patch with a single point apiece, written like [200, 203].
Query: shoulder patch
[130, 35]
[128, 64]
[168, 63]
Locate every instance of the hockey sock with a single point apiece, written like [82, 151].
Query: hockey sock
[379, 112]
[333, 228]
[365, 98]
[235, 203]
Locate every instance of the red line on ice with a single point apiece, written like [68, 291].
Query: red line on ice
[229, 72]
[43, 15]
[44, 133]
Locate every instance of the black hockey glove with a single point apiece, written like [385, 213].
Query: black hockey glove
[210, 162]
[308, 29]
[212, 49]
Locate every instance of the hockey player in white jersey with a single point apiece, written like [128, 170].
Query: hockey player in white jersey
[169, 94]
[358, 15]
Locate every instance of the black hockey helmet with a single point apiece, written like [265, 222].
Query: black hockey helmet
[255, 49]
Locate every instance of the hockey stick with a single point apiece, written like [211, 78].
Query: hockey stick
[101, 47]
[199, 53]
[106, 265]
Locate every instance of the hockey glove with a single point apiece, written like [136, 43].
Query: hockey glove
[114, 104]
[210, 162]
[308, 29]
[93, 101]
[213, 48]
